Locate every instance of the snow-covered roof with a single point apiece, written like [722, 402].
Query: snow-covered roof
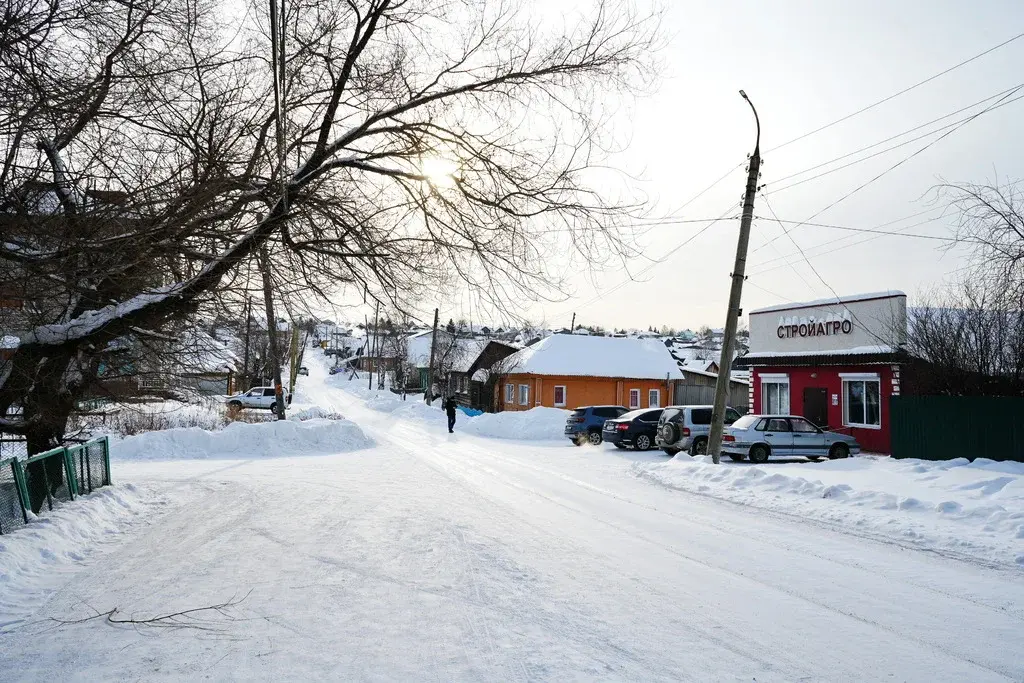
[833, 300]
[572, 355]
[855, 351]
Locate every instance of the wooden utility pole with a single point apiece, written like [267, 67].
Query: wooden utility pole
[248, 330]
[572, 328]
[275, 355]
[732, 318]
[373, 358]
[429, 393]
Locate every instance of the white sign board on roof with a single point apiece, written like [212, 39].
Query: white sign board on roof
[854, 324]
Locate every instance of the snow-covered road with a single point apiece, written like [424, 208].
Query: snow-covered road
[453, 557]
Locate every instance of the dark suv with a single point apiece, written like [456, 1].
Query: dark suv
[585, 423]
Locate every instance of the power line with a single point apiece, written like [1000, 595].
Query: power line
[658, 262]
[910, 156]
[897, 146]
[832, 251]
[869, 230]
[895, 95]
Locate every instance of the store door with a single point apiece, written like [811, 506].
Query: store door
[816, 405]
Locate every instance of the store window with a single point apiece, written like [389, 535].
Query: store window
[510, 393]
[559, 396]
[524, 394]
[634, 398]
[775, 394]
[653, 398]
[862, 404]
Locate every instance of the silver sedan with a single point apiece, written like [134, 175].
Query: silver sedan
[762, 436]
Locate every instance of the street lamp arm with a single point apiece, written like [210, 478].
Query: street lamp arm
[757, 120]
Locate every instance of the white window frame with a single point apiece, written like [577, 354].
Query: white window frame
[564, 395]
[656, 393]
[775, 378]
[861, 378]
[634, 404]
[510, 393]
[524, 394]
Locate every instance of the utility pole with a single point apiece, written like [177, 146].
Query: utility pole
[248, 329]
[373, 358]
[275, 356]
[429, 393]
[572, 328]
[732, 318]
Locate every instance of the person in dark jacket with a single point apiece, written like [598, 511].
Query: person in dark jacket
[449, 407]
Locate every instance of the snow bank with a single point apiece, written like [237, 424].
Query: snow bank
[534, 424]
[242, 440]
[55, 542]
[971, 508]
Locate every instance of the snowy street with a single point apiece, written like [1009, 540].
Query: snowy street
[430, 556]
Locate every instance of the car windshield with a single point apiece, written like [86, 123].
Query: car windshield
[745, 422]
[633, 414]
[668, 414]
[579, 412]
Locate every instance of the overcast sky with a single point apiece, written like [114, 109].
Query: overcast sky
[805, 63]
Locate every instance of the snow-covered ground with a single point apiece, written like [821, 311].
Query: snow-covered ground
[379, 547]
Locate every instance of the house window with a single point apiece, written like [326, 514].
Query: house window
[559, 396]
[653, 398]
[775, 394]
[510, 394]
[862, 405]
[634, 398]
[524, 394]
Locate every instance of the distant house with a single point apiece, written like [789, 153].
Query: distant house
[569, 371]
[471, 377]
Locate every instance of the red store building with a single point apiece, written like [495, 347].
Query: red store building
[834, 361]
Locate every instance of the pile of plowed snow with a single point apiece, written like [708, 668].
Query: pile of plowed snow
[534, 425]
[974, 508]
[242, 440]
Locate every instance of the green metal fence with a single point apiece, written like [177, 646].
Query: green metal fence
[12, 495]
[48, 478]
[947, 427]
[59, 474]
[91, 465]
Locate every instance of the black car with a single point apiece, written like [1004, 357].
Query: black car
[636, 428]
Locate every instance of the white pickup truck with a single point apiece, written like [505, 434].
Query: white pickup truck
[258, 397]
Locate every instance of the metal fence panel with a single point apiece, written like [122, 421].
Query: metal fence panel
[947, 427]
[48, 478]
[12, 496]
[90, 463]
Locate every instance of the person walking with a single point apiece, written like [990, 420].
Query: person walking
[449, 407]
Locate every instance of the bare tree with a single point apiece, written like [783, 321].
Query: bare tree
[432, 142]
[992, 225]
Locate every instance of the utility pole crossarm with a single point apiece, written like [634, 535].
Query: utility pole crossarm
[735, 294]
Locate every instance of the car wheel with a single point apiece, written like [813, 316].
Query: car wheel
[736, 456]
[759, 453]
[671, 451]
[273, 408]
[699, 447]
[839, 450]
[595, 438]
[642, 442]
[236, 405]
[619, 445]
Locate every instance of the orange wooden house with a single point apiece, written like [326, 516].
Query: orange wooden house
[569, 371]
